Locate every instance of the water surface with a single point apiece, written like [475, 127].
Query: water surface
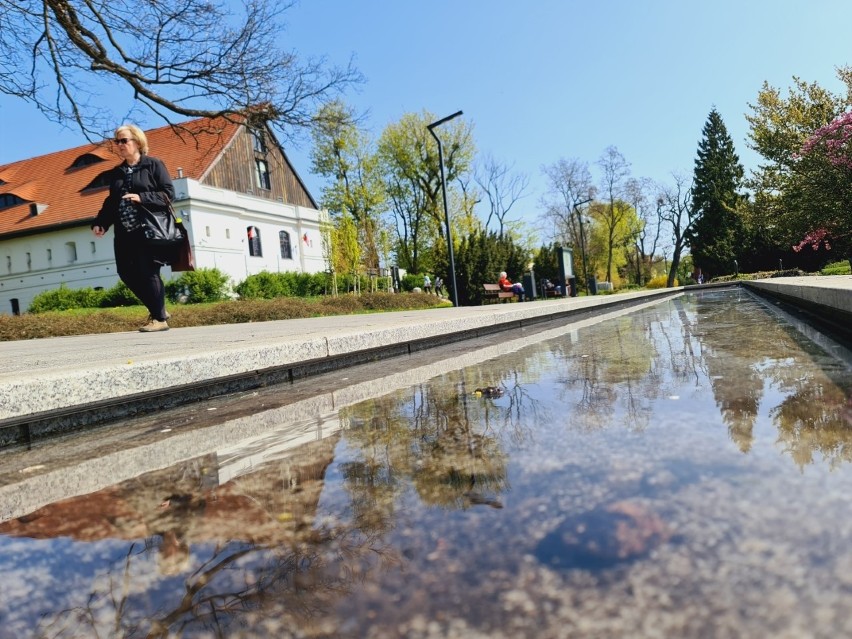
[676, 471]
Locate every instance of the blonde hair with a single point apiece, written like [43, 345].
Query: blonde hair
[137, 134]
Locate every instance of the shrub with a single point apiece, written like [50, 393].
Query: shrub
[266, 285]
[659, 282]
[837, 268]
[63, 299]
[198, 287]
[411, 280]
[119, 295]
[790, 272]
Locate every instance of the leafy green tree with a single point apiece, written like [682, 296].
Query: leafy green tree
[617, 217]
[343, 153]
[795, 193]
[409, 161]
[715, 236]
[547, 263]
[347, 255]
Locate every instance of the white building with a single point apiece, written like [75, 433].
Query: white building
[245, 208]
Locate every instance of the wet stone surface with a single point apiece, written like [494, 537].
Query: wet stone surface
[601, 538]
[678, 471]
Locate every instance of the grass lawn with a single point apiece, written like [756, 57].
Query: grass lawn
[130, 318]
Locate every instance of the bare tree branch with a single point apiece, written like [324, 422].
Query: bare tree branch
[185, 58]
[675, 208]
[569, 185]
[502, 188]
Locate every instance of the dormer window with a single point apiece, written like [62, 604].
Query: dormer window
[100, 181]
[85, 160]
[9, 199]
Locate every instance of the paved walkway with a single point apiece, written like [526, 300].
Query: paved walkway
[67, 382]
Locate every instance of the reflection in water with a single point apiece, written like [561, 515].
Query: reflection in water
[633, 478]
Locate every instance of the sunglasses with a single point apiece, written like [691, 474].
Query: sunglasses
[123, 140]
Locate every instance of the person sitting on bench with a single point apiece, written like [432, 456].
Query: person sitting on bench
[506, 285]
[550, 287]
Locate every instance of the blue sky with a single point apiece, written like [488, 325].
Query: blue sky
[546, 79]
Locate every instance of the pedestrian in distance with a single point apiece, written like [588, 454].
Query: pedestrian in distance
[427, 284]
[439, 286]
[140, 181]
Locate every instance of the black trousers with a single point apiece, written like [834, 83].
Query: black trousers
[140, 271]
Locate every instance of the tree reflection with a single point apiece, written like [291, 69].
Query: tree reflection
[438, 437]
[745, 351]
[811, 421]
[610, 375]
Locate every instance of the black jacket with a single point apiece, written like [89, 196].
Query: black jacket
[150, 180]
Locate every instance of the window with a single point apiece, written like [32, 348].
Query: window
[49, 255]
[85, 160]
[227, 234]
[207, 231]
[71, 251]
[258, 141]
[93, 247]
[29, 261]
[8, 263]
[263, 174]
[16, 306]
[100, 181]
[254, 241]
[9, 199]
[286, 249]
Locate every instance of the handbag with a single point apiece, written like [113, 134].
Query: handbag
[161, 229]
[166, 235]
[183, 260]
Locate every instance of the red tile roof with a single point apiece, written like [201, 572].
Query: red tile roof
[51, 182]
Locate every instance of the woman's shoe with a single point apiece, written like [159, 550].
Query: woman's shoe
[155, 326]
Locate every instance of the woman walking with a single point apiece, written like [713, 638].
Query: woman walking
[140, 181]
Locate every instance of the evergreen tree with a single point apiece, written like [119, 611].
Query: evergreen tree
[480, 258]
[716, 236]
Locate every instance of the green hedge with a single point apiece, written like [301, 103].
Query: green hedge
[199, 287]
[64, 299]
[837, 268]
[192, 287]
[266, 285]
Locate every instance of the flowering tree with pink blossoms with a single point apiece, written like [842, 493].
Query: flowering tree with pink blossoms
[826, 161]
[834, 141]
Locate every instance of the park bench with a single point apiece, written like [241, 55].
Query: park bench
[493, 293]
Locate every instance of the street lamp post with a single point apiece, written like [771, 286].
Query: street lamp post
[431, 128]
[583, 242]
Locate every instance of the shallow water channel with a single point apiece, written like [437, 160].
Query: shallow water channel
[680, 470]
